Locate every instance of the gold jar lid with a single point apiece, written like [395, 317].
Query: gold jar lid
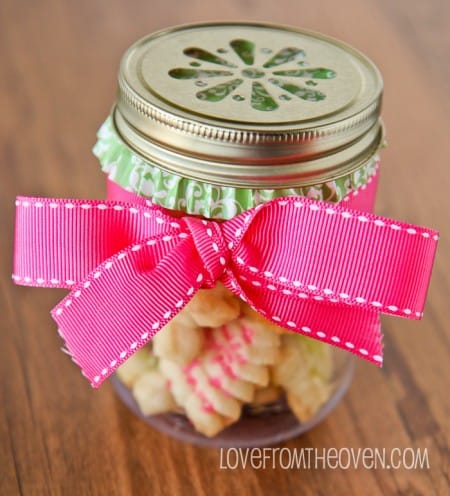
[249, 104]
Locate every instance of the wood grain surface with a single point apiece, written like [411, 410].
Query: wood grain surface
[58, 64]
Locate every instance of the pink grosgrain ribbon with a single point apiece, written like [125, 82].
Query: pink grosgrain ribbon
[319, 269]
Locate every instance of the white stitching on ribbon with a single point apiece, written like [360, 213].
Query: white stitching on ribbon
[342, 297]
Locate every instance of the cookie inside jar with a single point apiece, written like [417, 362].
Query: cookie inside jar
[218, 360]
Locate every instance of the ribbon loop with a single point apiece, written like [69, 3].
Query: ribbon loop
[211, 247]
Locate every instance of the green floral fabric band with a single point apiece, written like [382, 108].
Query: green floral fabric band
[212, 201]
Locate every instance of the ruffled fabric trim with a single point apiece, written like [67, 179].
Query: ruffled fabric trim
[194, 197]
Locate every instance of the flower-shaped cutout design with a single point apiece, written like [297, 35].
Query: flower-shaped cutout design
[284, 78]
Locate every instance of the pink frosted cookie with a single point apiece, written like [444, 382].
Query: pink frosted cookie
[215, 384]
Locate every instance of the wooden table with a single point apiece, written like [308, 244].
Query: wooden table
[57, 83]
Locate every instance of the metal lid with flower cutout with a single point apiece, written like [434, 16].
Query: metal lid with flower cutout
[248, 105]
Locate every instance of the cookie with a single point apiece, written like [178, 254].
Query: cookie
[180, 340]
[213, 307]
[152, 394]
[139, 363]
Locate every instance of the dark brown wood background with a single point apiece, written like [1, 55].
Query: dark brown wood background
[58, 63]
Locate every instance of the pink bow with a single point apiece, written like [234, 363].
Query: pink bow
[318, 269]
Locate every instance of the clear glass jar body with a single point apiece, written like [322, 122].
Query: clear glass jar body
[219, 374]
[258, 386]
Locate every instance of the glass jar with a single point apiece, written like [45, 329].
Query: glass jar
[212, 120]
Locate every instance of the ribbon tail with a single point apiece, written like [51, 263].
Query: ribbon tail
[345, 326]
[125, 301]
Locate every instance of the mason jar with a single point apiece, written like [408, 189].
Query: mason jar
[212, 120]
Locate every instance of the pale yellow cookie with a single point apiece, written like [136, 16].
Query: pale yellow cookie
[180, 340]
[266, 395]
[139, 363]
[255, 374]
[306, 405]
[213, 307]
[152, 394]
[178, 384]
[292, 367]
[304, 371]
